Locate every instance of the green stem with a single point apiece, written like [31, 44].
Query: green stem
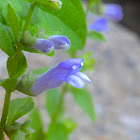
[54, 119]
[15, 63]
[28, 19]
[5, 112]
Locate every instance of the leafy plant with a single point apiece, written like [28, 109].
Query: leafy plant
[44, 26]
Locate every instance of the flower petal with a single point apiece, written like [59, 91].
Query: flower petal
[43, 45]
[75, 81]
[60, 42]
[83, 76]
[99, 25]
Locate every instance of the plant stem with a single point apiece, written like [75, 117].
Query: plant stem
[5, 112]
[16, 58]
[60, 103]
[28, 19]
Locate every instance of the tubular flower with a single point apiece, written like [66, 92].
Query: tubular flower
[113, 11]
[99, 25]
[66, 71]
[44, 45]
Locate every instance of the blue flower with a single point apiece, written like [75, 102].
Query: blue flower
[44, 45]
[66, 71]
[60, 42]
[99, 25]
[113, 11]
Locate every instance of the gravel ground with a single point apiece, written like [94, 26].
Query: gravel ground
[115, 88]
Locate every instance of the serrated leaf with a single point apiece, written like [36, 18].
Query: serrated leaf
[21, 65]
[8, 84]
[36, 124]
[96, 36]
[84, 100]
[53, 99]
[19, 107]
[13, 21]
[70, 19]
[57, 131]
[16, 135]
[6, 40]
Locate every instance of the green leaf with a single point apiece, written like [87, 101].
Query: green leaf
[11, 128]
[8, 84]
[36, 124]
[16, 127]
[16, 135]
[21, 65]
[57, 132]
[19, 107]
[84, 100]
[6, 40]
[70, 19]
[13, 21]
[69, 124]
[54, 103]
[89, 61]
[96, 36]
[50, 4]
[27, 130]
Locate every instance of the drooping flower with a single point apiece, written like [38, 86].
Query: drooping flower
[113, 11]
[66, 71]
[44, 45]
[99, 25]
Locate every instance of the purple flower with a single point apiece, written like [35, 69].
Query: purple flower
[43, 45]
[113, 11]
[66, 71]
[99, 25]
[40, 43]
[60, 42]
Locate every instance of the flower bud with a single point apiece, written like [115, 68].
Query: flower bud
[37, 44]
[50, 4]
[60, 42]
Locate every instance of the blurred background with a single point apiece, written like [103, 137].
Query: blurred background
[116, 80]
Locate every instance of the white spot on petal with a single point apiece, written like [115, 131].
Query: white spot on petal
[74, 67]
[65, 46]
[82, 64]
